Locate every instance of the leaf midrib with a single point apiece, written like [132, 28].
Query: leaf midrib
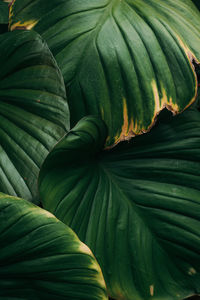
[136, 211]
[156, 239]
[108, 11]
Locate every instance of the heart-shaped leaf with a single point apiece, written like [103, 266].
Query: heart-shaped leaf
[137, 206]
[33, 110]
[41, 258]
[122, 60]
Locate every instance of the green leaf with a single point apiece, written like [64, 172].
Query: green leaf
[33, 110]
[41, 258]
[137, 206]
[121, 60]
[3, 13]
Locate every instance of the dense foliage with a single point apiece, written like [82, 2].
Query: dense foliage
[89, 91]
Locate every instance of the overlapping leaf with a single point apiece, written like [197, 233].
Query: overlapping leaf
[33, 110]
[122, 60]
[41, 258]
[137, 206]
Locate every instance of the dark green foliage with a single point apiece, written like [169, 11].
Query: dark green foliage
[41, 258]
[139, 200]
[33, 110]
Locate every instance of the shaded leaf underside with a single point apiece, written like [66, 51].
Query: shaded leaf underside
[33, 110]
[122, 60]
[137, 206]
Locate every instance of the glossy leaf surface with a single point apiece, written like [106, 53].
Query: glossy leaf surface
[33, 110]
[122, 60]
[136, 206]
[41, 258]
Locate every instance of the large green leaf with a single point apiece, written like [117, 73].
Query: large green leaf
[137, 206]
[122, 60]
[33, 110]
[41, 258]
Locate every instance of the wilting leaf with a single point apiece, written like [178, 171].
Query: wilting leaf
[41, 258]
[122, 60]
[33, 110]
[136, 206]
